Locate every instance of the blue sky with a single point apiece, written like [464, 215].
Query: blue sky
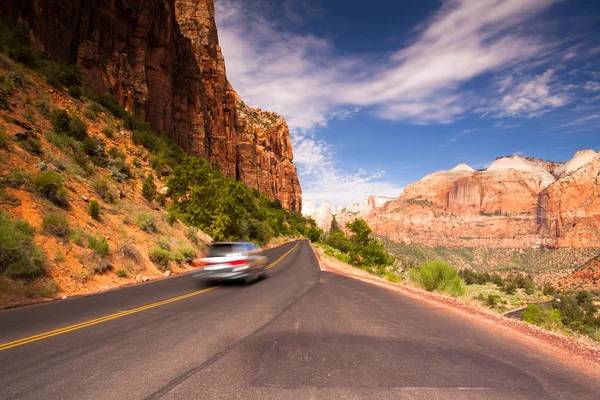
[379, 94]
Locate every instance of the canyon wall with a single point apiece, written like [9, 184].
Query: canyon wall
[516, 202]
[161, 60]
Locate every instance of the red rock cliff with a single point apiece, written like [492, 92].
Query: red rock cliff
[162, 60]
[516, 202]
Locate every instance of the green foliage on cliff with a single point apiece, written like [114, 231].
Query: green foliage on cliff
[227, 209]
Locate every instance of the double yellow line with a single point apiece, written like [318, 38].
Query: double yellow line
[46, 335]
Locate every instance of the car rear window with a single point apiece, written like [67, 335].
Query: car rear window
[226, 250]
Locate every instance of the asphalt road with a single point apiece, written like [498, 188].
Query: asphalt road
[301, 333]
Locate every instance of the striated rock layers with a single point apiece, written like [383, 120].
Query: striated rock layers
[516, 202]
[161, 60]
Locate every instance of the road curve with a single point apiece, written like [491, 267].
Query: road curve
[301, 333]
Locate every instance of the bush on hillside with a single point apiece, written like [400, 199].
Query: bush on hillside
[99, 244]
[60, 121]
[547, 318]
[75, 91]
[160, 257]
[43, 107]
[149, 188]
[49, 184]
[4, 139]
[102, 189]
[146, 222]
[31, 145]
[56, 224]
[438, 276]
[19, 256]
[17, 178]
[94, 210]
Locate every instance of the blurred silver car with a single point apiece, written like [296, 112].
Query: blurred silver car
[232, 261]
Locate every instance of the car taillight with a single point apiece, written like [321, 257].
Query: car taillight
[237, 262]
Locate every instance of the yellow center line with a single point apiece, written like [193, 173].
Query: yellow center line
[56, 332]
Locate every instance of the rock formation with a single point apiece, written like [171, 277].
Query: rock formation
[516, 202]
[161, 60]
[323, 215]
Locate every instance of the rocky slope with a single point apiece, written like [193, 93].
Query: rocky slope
[161, 59]
[324, 214]
[587, 277]
[516, 202]
[131, 225]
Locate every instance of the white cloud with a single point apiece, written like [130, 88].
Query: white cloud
[592, 86]
[304, 78]
[532, 97]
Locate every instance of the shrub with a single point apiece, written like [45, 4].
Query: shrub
[187, 252]
[160, 257]
[164, 243]
[95, 108]
[46, 289]
[541, 316]
[102, 189]
[171, 218]
[78, 128]
[492, 300]
[510, 288]
[19, 257]
[89, 114]
[43, 107]
[4, 139]
[149, 188]
[94, 210]
[29, 115]
[99, 244]
[60, 121]
[438, 276]
[192, 235]
[108, 132]
[31, 145]
[549, 290]
[17, 178]
[102, 266]
[49, 184]
[3, 99]
[75, 91]
[56, 224]
[77, 237]
[128, 250]
[122, 273]
[146, 222]
[61, 140]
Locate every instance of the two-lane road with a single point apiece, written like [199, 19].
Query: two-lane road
[301, 333]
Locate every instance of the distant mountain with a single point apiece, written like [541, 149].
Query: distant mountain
[516, 202]
[323, 215]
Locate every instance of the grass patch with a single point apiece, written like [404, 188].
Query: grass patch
[147, 223]
[99, 244]
[438, 276]
[94, 210]
[187, 253]
[56, 224]
[160, 257]
[49, 184]
[18, 178]
[19, 257]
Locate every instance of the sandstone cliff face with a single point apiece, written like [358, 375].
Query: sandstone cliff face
[161, 60]
[516, 202]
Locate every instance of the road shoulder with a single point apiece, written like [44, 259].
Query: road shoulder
[555, 345]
